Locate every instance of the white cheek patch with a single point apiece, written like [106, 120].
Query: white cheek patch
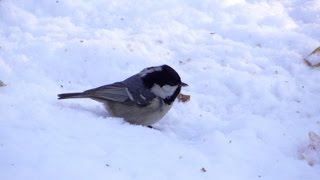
[164, 91]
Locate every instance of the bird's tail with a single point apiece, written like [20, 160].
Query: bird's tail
[72, 95]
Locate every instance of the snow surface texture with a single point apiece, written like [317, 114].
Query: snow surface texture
[253, 101]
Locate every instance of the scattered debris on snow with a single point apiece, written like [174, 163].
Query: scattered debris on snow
[183, 98]
[311, 152]
[2, 83]
[313, 59]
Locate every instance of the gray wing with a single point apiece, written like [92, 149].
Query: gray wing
[129, 91]
[114, 92]
[139, 92]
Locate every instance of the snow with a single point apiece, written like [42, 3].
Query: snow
[254, 102]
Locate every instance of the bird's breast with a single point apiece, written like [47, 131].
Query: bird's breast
[135, 114]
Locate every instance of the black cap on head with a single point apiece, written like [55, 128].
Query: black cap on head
[161, 75]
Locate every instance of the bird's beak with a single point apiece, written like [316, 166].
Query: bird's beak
[183, 84]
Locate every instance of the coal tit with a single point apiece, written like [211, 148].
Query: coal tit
[141, 99]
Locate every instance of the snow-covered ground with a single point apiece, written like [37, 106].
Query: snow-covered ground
[254, 101]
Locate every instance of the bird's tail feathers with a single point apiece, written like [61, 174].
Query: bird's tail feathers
[72, 95]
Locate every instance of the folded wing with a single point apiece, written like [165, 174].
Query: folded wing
[119, 92]
[115, 92]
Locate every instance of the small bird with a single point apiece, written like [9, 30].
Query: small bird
[142, 99]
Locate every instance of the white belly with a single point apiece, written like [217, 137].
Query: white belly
[139, 115]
